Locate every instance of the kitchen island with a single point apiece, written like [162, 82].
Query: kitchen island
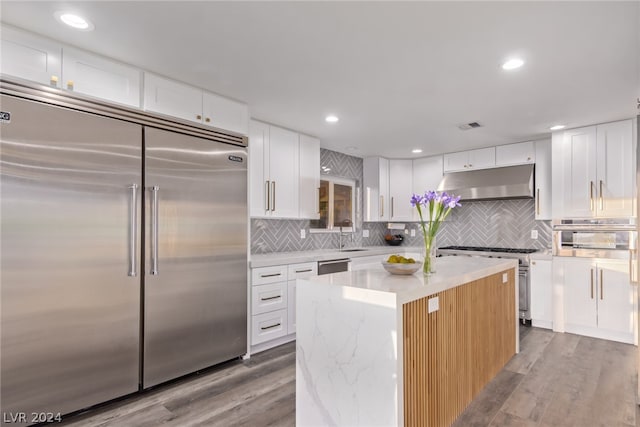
[380, 349]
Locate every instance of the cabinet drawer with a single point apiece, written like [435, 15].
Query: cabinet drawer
[264, 275]
[270, 297]
[268, 326]
[302, 270]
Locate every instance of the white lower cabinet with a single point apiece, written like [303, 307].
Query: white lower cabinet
[541, 294]
[268, 326]
[599, 300]
[273, 303]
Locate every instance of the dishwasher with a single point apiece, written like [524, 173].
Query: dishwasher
[333, 266]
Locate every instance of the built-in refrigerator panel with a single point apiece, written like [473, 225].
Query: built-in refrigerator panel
[70, 284]
[195, 283]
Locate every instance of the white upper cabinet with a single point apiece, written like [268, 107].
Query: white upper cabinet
[273, 171]
[594, 171]
[543, 179]
[400, 190]
[615, 167]
[224, 113]
[103, 78]
[427, 175]
[376, 189]
[30, 57]
[515, 154]
[176, 99]
[172, 98]
[473, 159]
[309, 177]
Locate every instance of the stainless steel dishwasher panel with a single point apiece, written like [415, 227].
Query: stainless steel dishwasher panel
[333, 266]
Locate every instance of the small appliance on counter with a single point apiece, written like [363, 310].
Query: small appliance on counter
[393, 239]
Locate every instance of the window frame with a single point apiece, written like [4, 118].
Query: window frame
[331, 228]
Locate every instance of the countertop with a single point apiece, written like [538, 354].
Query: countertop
[280, 258]
[397, 289]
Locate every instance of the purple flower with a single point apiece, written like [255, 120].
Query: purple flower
[452, 202]
[429, 196]
[416, 199]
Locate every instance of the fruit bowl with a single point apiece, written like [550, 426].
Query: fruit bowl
[399, 268]
[394, 240]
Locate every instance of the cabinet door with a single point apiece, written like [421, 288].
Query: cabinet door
[224, 113]
[541, 294]
[615, 169]
[427, 174]
[258, 169]
[515, 154]
[172, 98]
[309, 177]
[283, 172]
[482, 158]
[103, 78]
[456, 161]
[400, 190]
[30, 57]
[376, 189]
[615, 297]
[543, 179]
[579, 170]
[579, 293]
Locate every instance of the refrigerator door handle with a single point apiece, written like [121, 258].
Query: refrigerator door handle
[133, 230]
[154, 229]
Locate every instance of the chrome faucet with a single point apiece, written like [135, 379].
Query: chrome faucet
[340, 243]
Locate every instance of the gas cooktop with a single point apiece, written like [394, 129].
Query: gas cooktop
[489, 249]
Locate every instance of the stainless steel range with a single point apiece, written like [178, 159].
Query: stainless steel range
[522, 255]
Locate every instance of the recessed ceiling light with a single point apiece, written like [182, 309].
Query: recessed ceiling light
[557, 127]
[416, 150]
[74, 21]
[512, 64]
[331, 119]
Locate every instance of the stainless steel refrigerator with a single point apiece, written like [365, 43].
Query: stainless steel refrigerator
[123, 250]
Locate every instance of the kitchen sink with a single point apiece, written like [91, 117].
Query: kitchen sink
[353, 250]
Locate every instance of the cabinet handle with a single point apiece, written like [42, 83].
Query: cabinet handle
[207, 119]
[381, 206]
[199, 117]
[391, 207]
[632, 272]
[601, 285]
[304, 271]
[273, 196]
[528, 158]
[533, 263]
[538, 201]
[267, 196]
[54, 81]
[264, 328]
[466, 166]
[270, 275]
[70, 84]
[592, 283]
[470, 165]
[270, 298]
[601, 197]
[591, 195]
[318, 200]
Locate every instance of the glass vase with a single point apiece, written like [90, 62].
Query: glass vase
[429, 265]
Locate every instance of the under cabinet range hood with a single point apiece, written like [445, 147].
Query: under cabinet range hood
[510, 182]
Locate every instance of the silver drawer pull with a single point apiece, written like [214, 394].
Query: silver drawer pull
[270, 298]
[264, 328]
[270, 275]
[304, 271]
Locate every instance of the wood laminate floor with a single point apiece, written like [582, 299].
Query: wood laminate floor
[556, 380]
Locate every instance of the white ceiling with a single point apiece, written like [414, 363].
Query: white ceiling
[400, 75]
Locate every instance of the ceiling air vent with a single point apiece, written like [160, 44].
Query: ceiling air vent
[468, 126]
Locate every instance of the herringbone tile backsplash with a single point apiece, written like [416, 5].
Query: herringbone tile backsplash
[500, 223]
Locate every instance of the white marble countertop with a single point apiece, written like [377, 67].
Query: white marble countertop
[280, 258]
[389, 289]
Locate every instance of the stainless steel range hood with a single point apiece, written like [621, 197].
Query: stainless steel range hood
[510, 182]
